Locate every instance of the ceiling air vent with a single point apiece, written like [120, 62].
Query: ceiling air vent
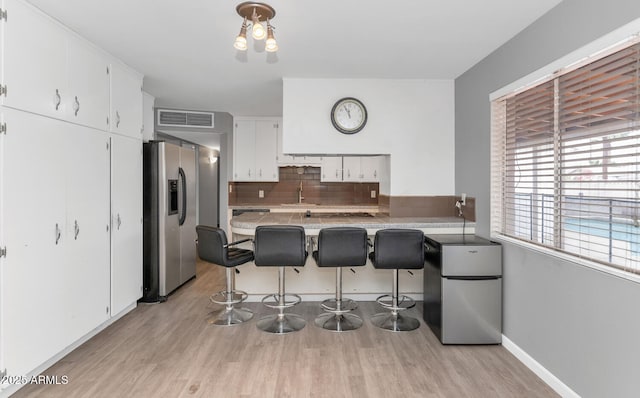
[167, 118]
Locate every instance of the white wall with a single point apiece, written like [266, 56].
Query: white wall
[411, 120]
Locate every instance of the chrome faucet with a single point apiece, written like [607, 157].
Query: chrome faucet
[300, 197]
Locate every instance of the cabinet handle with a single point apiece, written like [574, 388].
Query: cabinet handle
[349, 173]
[260, 172]
[336, 173]
[76, 106]
[375, 173]
[118, 221]
[249, 172]
[58, 233]
[57, 99]
[117, 119]
[76, 230]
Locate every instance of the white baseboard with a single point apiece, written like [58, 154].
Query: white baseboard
[556, 384]
[46, 365]
[253, 298]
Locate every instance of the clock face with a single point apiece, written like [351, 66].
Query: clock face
[349, 115]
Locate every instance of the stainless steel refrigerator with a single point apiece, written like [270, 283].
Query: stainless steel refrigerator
[169, 198]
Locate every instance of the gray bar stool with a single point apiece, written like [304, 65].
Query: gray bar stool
[397, 249]
[340, 247]
[280, 246]
[213, 248]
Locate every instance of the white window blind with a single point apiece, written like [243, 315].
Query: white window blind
[566, 161]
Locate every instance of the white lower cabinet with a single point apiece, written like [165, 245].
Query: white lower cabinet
[55, 285]
[126, 222]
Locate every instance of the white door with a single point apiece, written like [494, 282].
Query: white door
[126, 102]
[126, 235]
[88, 85]
[34, 59]
[86, 266]
[2, 243]
[244, 150]
[33, 222]
[331, 169]
[266, 150]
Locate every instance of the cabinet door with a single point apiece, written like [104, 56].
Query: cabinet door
[86, 266]
[126, 209]
[266, 149]
[34, 61]
[370, 168]
[126, 102]
[351, 166]
[244, 151]
[88, 85]
[331, 169]
[33, 217]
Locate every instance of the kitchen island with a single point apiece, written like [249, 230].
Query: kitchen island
[314, 283]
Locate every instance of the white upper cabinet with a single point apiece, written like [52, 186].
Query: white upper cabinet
[88, 85]
[255, 150]
[363, 168]
[266, 150]
[126, 101]
[51, 71]
[244, 150]
[331, 169]
[34, 62]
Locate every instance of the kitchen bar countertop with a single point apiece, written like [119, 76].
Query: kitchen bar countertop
[246, 223]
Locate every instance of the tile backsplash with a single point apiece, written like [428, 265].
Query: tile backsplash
[313, 190]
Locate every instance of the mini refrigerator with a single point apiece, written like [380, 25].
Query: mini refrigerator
[463, 289]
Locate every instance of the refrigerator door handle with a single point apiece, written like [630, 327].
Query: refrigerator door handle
[472, 278]
[183, 211]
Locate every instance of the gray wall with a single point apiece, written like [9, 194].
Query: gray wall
[207, 195]
[581, 324]
[208, 187]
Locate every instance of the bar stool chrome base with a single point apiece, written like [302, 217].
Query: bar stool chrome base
[229, 316]
[395, 322]
[338, 322]
[281, 323]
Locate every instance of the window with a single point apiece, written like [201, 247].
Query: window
[566, 161]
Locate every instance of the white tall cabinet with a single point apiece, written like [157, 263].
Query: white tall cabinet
[70, 189]
[255, 149]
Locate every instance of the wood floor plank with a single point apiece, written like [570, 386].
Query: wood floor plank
[169, 350]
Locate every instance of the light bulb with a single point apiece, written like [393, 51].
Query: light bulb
[241, 40]
[257, 31]
[270, 45]
[240, 43]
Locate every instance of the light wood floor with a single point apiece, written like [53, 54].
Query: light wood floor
[168, 350]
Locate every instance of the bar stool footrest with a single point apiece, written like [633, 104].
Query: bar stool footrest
[404, 302]
[346, 305]
[228, 298]
[287, 304]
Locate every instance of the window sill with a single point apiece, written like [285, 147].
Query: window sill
[567, 257]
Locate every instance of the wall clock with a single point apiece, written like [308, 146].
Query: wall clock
[348, 115]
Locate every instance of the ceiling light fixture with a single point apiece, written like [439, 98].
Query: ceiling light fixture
[256, 13]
